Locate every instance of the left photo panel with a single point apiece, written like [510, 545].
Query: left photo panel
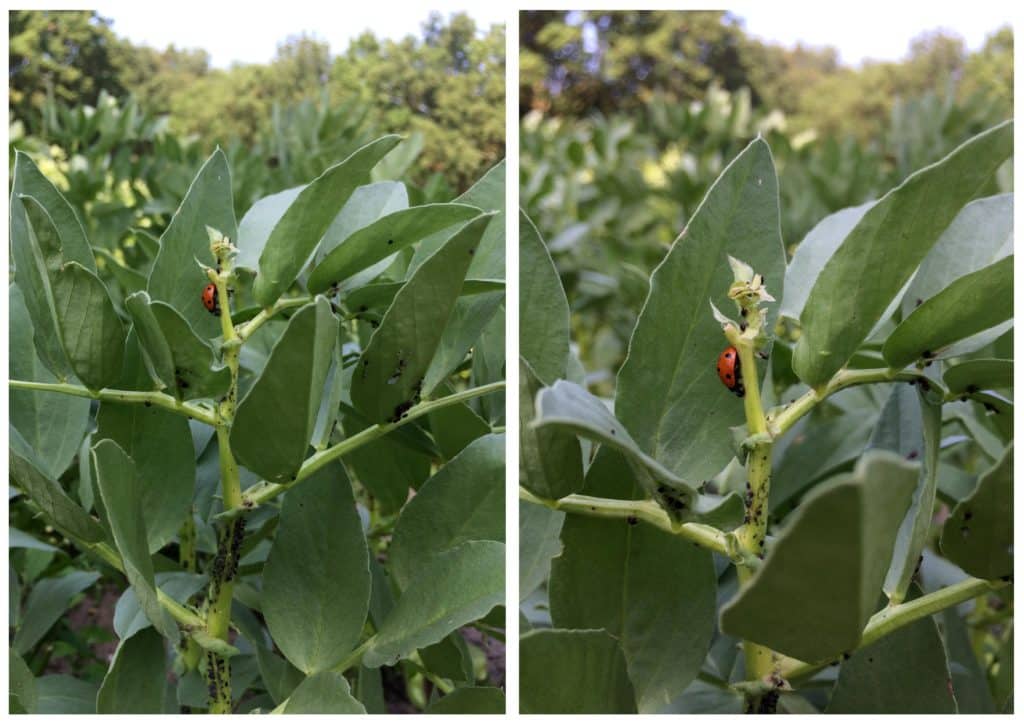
[256, 316]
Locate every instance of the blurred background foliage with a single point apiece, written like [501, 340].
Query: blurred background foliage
[118, 125]
[626, 118]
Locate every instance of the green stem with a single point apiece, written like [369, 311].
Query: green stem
[246, 330]
[356, 657]
[645, 510]
[128, 396]
[892, 618]
[263, 492]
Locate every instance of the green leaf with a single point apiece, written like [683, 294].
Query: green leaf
[543, 308]
[386, 467]
[971, 304]
[53, 425]
[614, 575]
[550, 459]
[539, 531]
[279, 677]
[978, 535]
[821, 579]
[456, 426]
[970, 683]
[316, 619]
[22, 696]
[300, 228]
[255, 227]
[129, 618]
[452, 589]
[668, 393]
[470, 700]
[49, 598]
[159, 443]
[135, 682]
[176, 278]
[122, 494]
[275, 419]
[573, 672]
[463, 501]
[365, 205]
[449, 658]
[981, 234]
[384, 237]
[978, 374]
[58, 508]
[489, 366]
[62, 694]
[877, 680]
[488, 193]
[391, 370]
[468, 319]
[870, 268]
[326, 692]
[176, 357]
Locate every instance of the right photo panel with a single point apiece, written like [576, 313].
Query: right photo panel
[766, 363]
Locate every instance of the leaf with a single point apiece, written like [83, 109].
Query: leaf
[971, 304]
[489, 366]
[543, 308]
[159, 443]
[62, 694]
[175, 277]
[391, 369]
[316, 582]
[58, 508]
[326, 692]
[539, 532]
[573, 672]
[129, 618]
[449, 658]
[977, 374]
[384, 237]
[668, 393]
[978, 535]
[279, 677]
[365, 205]
[970, 683]
[882, 251]
[386, 467]
[22, 697]
[637, 583]
[121, 492]
[820, 582]
[49, 598]
[255, 227]
[175, 355]
[455, 426]
[275, 419]
[468, 319]
[550, 459]
[300, 228]
[813, 253]
[981, 234]
[463, 501]
[470, 700]
[135, 682]
[53, 425]
[454, 588]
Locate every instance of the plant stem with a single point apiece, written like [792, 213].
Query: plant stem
[246, 330]
[645, 510]
[128, 396]
[262, 492]
[892, 618]
[356, 657]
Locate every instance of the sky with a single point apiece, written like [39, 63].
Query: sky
[860, 30]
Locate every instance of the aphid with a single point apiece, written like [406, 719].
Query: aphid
[729, 370]
[210, 300]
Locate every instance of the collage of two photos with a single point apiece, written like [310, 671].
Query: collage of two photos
[268, 409]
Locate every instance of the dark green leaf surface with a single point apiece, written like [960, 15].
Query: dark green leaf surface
[454, 588]
[973, 303]
[52, 425]
[882, 251]
[326, 692]
[22, 697]
[275, 419]
[573, 672]
[979, 374]
[47, 601]
[669, 396]
[456, 426]
[384, 237]
[197, 373]
[970, 683]
[92, 332]
[63, 694]
[978, 535]
[822, 576]
[386, 466]
[58, 508]
[449, 658]
[463, 501]
[468, 319]
[550, 460]
[470, 700]
[135, 682]
[543, 308]
[158, 353]
[279, 677]
[300, 228]
[316, 582]
[122, 495]
[539, 541]
[176, 278]
[391, 370]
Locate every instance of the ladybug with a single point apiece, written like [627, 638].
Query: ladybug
[729, 370]
[210, 300]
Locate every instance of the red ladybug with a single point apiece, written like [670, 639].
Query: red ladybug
[729, 370]
[210, 300]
